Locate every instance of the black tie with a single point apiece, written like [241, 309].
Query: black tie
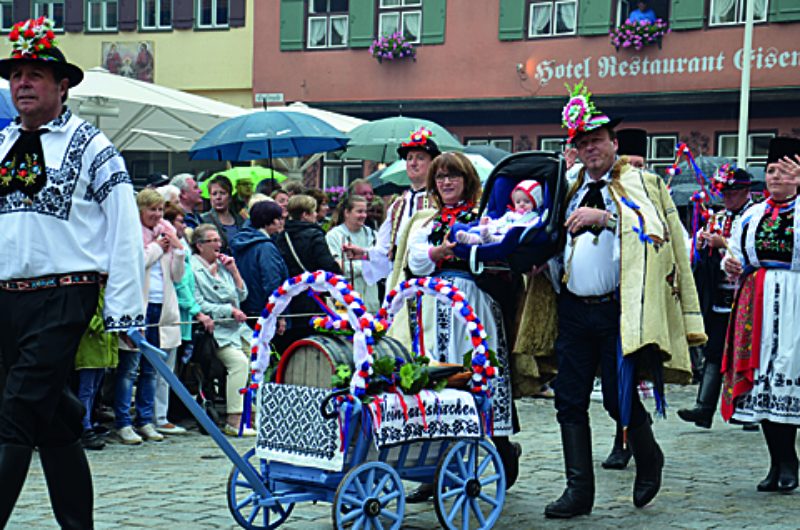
[593, 199]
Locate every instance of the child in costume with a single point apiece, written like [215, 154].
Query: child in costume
[527, 201]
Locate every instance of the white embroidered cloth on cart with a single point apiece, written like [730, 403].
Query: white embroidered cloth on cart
[448, 414]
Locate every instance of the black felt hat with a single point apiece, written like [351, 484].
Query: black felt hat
[632, 142]
[729, 178]
[782, 146]
[420, 140]
[33, 41]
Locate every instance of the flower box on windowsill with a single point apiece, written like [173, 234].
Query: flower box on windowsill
[392, 48]
[637, 35]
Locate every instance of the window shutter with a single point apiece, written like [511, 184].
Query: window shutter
[687, 14]
[512, 19]
[73, 16]
[238, 10]
[22, 10]
[292, 22]
[433, 20]
[784, 10]
[362, 23]
[183, 14]
[127, 15]
[594, 17]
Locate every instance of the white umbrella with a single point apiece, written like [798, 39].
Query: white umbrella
[341, 122]
[395, 173]
[144, 116]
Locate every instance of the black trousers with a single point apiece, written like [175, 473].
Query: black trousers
[39, 336]
[587, 337]
[716, 329]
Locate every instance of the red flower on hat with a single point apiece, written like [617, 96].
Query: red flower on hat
[29, 34]
[14, 35]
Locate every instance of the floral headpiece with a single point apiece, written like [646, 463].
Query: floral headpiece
[422, 139]
[32, 38]
[728, 177]
[579, 114]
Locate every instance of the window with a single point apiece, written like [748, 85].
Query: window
[727, 12]
[53, 10]
[338, 171]
[401, 15]
[327, 24]
[661, 152]
[625, 7]
[757, 146]
[555, 144]
[156, 14]
[546, 19]
[101, 15]
[501, 143]
[212, 13]
[6, 15]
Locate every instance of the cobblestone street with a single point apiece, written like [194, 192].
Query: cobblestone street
[709, 482]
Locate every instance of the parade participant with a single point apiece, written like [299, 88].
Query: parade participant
[418, 152]
[619, 219]
[353, 229]
[715, 288]
[455, 189]
[190, 198]
[69, 223]
[761, 363]
[527, 200]
[632, 143]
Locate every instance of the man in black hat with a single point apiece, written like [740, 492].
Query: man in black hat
[716, 290]
[620, 222]
[70, 223]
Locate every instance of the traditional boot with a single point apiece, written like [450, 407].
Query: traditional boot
[578, 497]
[620, 455]
[14, 462]
[787, 470]
[770, 483]
[649, 463]
[707, 396]
[509, 454]
[69, 482]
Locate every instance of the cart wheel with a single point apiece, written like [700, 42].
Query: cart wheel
[244, 502]
[470, 486]
[371, 495]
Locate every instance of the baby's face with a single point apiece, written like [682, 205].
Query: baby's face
[522, 203]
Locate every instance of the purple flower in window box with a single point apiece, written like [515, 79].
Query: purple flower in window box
[638, 34]
[392, 47]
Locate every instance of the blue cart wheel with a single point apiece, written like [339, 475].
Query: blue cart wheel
[244, 502]
[370, 496]
[470, 486]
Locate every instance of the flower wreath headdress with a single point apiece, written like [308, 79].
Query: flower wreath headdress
[579, 114]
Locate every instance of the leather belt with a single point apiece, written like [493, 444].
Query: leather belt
[53, 281]
[593, 300]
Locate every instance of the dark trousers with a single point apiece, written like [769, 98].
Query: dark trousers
[716, 329]
[588, 335]
[39, 336]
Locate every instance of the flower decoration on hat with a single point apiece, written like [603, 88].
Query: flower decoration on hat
[579, 114]
[726, 176]
[32, 38]
[418, 138]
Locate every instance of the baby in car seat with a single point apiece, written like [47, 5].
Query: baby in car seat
[526, 198]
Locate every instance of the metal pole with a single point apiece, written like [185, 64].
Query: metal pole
[744, 102]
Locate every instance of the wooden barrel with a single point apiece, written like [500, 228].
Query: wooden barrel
[312, 361]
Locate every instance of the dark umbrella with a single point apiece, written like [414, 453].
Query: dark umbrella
[267, 135]
[382, 188]
[489, 152]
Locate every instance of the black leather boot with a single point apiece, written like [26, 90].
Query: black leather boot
[509, 454]
[770, 483]
[578, 497]
[787, 469]
[14, 463]
[69, 482]
[707, 396]
[620, 455]
[421, 493]
[649, 463]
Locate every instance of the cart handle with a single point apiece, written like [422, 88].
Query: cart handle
[323, 406]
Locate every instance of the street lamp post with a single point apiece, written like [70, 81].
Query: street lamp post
[744, 101]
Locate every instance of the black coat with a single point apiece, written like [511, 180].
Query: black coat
[308, 241]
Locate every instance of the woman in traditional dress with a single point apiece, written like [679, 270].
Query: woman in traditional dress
[761, 364]
[353, 230]
[455, 189]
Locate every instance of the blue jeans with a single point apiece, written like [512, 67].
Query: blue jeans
[89, 381]
[126, 375]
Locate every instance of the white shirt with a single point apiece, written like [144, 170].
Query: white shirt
[593, 265]
[85, 218]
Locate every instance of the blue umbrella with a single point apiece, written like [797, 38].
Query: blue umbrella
[7, 110]
[266, 134]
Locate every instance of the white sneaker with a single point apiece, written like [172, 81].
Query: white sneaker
[230, 430]
[170, 428]
[127, 436]
[597, 390]
[149, 432]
